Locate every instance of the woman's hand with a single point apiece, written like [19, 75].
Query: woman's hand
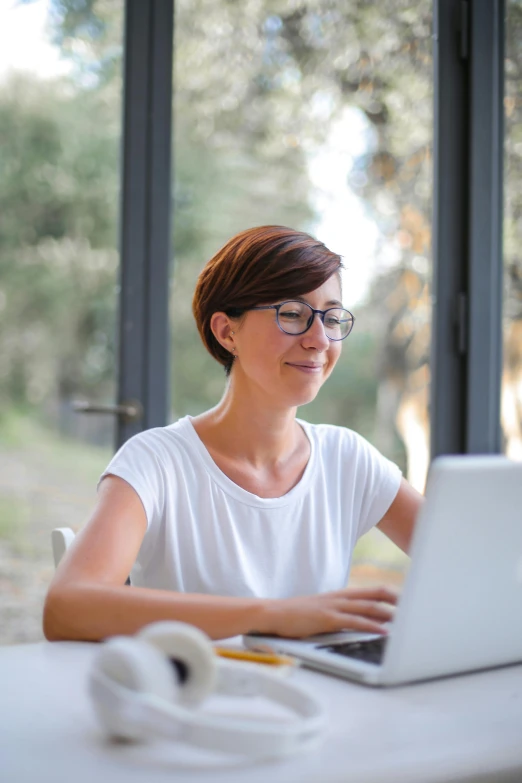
[354, 609]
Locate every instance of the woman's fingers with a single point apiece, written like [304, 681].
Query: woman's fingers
[354, 622]
[370, 609]
[360, 609]
[382, 594]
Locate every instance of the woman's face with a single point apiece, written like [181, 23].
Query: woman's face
[288, 369]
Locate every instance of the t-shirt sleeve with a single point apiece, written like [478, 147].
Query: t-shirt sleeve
[139, 464]
[379, 480]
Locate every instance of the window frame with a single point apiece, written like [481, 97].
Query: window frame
[466, 358]
[145, 227]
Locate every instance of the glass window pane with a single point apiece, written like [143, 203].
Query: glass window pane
[511, 406]
[318, 116]
[60, 128]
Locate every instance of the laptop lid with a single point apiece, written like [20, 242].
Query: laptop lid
[461, 606]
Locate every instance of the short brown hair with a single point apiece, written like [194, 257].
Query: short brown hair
[258, 266]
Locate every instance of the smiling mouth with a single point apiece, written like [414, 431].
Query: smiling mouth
[305, 366]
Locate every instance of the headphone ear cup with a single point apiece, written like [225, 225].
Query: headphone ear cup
[126, 664]
[192, 649]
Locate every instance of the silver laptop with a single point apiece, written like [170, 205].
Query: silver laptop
[461, 605]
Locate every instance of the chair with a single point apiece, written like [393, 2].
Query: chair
[61, 539]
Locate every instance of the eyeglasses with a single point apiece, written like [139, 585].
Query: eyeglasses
[296, 317]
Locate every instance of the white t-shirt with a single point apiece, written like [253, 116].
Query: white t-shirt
[206, 534]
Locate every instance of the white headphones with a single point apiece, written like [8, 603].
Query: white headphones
[150, 685]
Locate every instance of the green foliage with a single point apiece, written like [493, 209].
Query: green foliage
[58, 164]
[58, 265]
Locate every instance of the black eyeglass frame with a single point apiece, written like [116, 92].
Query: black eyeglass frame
[314, 312]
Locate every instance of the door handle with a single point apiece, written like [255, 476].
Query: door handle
[128, 410]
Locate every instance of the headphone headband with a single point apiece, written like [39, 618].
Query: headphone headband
[135, 695]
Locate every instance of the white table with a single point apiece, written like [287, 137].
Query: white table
[459, 729]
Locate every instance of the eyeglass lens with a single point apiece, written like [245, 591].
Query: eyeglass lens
[296, 318]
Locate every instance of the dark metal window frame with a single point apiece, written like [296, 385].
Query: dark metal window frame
[146, 208]
[466, 359]
[466, 362]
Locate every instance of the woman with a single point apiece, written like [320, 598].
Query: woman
[243, 518]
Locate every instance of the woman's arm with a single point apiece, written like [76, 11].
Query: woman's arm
[88, 600]
[399, 521]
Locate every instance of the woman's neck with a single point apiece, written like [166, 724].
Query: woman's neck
[243, 428]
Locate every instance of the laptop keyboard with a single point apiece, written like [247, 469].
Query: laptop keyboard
[370, 650]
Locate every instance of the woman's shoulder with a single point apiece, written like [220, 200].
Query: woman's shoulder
[349, 457]
[170, 439]
[332, 441]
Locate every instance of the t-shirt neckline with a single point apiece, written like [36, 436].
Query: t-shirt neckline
[186, 428]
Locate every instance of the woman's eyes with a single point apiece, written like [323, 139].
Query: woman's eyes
[294, 315]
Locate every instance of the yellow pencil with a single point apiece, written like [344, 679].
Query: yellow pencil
[256, 657]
